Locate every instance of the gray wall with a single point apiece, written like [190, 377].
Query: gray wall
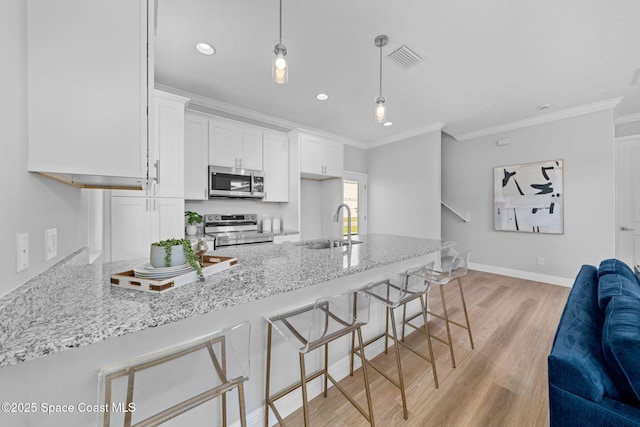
[404, 187]
[31, 203]
[625, 129]
[586, 144]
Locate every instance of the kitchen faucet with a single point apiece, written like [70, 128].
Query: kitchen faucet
[336, 218]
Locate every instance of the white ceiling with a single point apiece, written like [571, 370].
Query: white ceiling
[485, 63]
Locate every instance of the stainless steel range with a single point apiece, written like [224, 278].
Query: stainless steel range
[235, 229]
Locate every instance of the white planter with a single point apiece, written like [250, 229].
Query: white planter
[191, 230]
[158, 255]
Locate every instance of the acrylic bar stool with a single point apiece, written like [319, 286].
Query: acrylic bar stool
[312, 327]
[393, 296]
[453, 266]
[157, 390]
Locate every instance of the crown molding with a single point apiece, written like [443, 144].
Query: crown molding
[436, 126]
[627, 118]
[245, 113]
[545, 118]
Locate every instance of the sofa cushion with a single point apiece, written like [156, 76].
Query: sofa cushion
[576, 362]
[615, 266]
[621, 345]
[613, 285]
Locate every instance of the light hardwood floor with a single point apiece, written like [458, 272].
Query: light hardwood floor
[503, 382]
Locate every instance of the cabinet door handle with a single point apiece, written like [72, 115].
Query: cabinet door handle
[146, 207]
[155, 204]
[157, 165]
[206, 194]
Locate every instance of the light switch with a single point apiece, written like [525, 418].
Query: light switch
[50, 243]
[22, 252]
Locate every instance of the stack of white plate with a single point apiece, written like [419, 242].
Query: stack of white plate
[148, 271]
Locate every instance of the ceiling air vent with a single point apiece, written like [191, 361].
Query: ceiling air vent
[405, 57]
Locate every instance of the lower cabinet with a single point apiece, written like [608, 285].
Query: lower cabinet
[136, 222]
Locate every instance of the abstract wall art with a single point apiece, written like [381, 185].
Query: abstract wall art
[529, 197]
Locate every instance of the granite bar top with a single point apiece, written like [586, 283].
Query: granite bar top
[72, 304]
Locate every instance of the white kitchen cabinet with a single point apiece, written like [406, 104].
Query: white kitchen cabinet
[136, 222]
[234, 144]
[196, 156]
[87, 100]
[276, 166]
[166, 153]
[166, 150]
[288, 238]
[320, 157]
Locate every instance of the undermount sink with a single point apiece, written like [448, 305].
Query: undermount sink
[326, 244]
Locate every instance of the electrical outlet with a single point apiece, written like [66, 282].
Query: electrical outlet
[22, 252]
[50, 243]
[540, 260]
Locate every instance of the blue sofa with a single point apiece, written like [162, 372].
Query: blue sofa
[594, 364]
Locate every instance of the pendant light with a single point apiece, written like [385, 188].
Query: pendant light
[381, 109]
[280, 71]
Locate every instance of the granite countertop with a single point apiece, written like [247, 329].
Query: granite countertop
[72, 304]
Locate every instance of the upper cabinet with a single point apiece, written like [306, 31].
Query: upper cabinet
[234, 144]
[320, 157]
[276, 166]
[88, 74]
[166, 153]
[196, 156]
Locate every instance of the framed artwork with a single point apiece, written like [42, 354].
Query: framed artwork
[529, 198]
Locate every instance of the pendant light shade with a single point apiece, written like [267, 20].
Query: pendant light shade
[280, 70]
[381, 109]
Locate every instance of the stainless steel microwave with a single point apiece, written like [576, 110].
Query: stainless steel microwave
[235, 182]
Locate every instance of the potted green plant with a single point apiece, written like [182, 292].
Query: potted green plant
[193, 218]
[174, 252]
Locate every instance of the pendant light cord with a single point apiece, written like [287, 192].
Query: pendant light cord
[380, 70]
[280, 42]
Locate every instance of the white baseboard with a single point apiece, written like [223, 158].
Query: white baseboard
[293, 401]
[527, 275]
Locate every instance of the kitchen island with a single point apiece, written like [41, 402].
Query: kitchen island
[74, 317]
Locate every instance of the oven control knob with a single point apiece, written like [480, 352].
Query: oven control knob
[217, 218]
[252, 217]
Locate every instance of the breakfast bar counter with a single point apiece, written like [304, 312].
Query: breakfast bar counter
[74, 317]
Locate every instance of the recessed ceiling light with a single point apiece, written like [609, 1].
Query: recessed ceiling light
[387, 123]
[322, 97]
[543, 107]
[205, 49]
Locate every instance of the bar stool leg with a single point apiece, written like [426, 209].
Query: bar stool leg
[386, 330]
[466, 316]
[426, 328]
[326, 368]
[303, 385]
[243, 414]
[366, 377]
[224, 370]
[266, 394]
[398, 364]
[404, 319]
[352, 355]
[446, 323]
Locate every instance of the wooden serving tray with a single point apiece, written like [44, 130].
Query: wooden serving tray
[212, 264]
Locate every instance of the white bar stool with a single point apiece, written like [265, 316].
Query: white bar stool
[226, 351]
[314, 326]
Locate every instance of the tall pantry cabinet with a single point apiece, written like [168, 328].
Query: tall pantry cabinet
[139, 218]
